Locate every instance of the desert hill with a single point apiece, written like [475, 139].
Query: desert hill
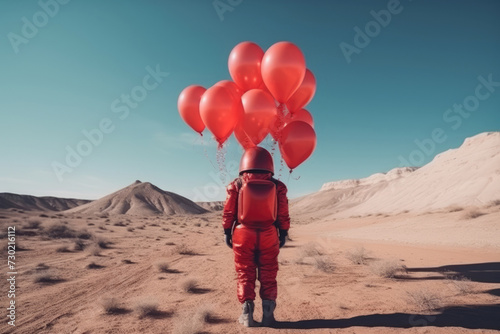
[140, 199]
[466, 176]
[34, 203]
[212, 206]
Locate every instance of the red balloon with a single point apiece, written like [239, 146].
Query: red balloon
[242, 137]
[283, 70]
[219, 112]
[232, 87]
[300, 115]
[244, 65]
[188, 104]
[304, 94]
[298, 141]
[259, 112]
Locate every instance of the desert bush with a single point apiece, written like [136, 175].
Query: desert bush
[323, 263]
[43, 215]
[463, 284]
[495, 202]
[425, 300]
[357, 255]
[197, 224]
[145, 308]
[387, 268]
[45, 276]
[130, 229]
[188, 325]
[189, 285]
[119, 224]
[102, 242]
[63, 249]
[127, 261]
[184, 249]
[83, 234]
[472, 214]
[94, 250]
[170, 243]
[79, 245]
[59, 230]
[33, 224]
[455, 209]
[102, 227]
[93, 265]
[310, 249]
[204, 313]
[111, 306]
[163, 267]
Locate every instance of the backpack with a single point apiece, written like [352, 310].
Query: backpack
[257, 203]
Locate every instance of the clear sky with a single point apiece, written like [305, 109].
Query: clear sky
[67, 67]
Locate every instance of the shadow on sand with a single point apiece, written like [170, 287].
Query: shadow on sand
[488, 272]
[465, 316]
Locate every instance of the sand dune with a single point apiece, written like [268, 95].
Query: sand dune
[34, 203]
[468, 175]
[140, 199]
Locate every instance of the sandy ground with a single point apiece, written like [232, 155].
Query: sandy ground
[320, 289]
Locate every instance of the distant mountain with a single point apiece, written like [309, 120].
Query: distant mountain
[468, 175]
[34, 203]
[140, 199]
[212, 206]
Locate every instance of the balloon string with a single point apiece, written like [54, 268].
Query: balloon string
[221, 157]
[206, 152]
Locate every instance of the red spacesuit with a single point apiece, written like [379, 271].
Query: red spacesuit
[256, 244]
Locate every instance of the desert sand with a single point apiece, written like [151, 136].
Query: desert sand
[408, 251]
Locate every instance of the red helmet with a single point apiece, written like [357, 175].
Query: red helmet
[258, 159]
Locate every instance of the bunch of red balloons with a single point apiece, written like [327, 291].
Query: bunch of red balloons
[267, 96]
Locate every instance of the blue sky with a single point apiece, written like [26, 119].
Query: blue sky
[69, 72]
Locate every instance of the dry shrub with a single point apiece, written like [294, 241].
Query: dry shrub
[463, 284]
[170, 243]
[59, 231]
[119, 224]
[63, 249]
[102, 242]
[455, 209]
[146, 307]
[163, 267]
[130, 229]
[310, 249]
[357, 255]
[79, 245]
[189, 285]
[93, 265]
[205, 313]
[188, 325]
[323, 263]
[45, 276]
[184, 249]
[111, 306]
[33, 224]
[472, 214]
[94, 250]
[425, 300]
[495, 202]
[387, 268]
[83, 234]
